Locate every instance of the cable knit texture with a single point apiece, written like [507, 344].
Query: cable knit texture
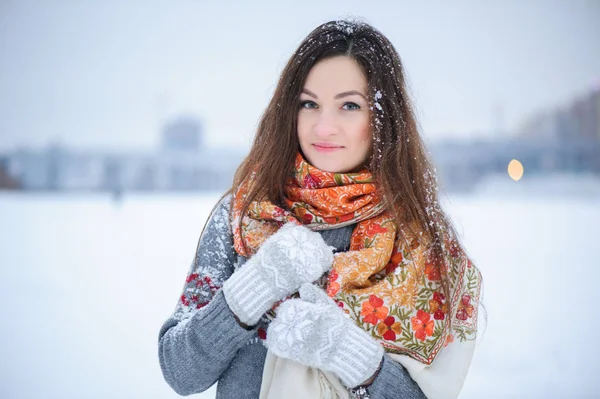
[314, 331]
[292, 256]
[201, 343]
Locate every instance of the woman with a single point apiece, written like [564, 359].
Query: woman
[329, 270]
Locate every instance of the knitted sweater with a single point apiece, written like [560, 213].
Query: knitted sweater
[201, 343]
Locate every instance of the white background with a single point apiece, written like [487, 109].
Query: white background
[85, 284]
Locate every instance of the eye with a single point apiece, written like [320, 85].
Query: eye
[307, 104]
[353, 106]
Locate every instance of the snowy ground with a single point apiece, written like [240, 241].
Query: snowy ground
[86, 283]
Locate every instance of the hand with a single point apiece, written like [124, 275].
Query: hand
[313, 331]
[292, 256]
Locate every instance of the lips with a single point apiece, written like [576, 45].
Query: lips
[326, 147]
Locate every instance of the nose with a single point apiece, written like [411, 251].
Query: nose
[326, 125]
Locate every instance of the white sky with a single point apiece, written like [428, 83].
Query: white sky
[109, 73]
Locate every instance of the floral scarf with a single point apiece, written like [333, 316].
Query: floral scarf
[387, 282]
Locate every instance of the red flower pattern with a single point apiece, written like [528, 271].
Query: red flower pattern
[422, 325]
[373, 311]
[191, 277]
[311, 181]
[389, 328]
[332, 285]
[194, 294]
[373, 229]
[307, 218]
[394, 262]
[438, 305]
[454, 249]
[184, 300]
[432, 270]
[465, 309]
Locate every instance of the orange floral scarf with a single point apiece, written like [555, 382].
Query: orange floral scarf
[386, 282]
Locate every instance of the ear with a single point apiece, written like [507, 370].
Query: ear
[312, 293]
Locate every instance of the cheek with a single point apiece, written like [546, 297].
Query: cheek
[301, 129]
[367, 133]
[364, 135]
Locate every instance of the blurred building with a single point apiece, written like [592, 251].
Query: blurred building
[181, 163]
[580, 118]
[183, 135]
[6, 181]
[462, 165]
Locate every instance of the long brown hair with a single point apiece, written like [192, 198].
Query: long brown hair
[398, 161]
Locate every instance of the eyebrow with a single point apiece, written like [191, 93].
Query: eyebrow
[337, 96]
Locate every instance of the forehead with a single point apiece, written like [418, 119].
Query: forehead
[336, 74]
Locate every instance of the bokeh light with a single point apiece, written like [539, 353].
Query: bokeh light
[515, 170]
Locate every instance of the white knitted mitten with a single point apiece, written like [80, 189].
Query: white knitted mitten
[314, 331]
[290, 257]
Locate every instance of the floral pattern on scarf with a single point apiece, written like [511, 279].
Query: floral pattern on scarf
[387, 282]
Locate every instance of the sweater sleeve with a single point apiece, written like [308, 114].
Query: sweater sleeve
[394, 381]
[199, 340]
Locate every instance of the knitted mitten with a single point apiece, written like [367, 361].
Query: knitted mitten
[314, 331]
[290, 257]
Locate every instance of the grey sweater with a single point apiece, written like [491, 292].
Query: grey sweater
[201, 343]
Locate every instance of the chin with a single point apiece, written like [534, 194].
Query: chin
[332, 167]
[328, 164]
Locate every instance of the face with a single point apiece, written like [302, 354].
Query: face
[333, 119]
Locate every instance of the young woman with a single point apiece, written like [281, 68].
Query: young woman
[329, 270]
